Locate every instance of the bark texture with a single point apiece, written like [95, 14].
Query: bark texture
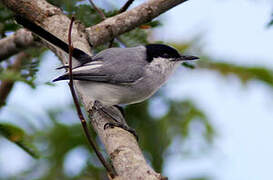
[121, 146]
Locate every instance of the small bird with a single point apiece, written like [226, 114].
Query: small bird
[118, 76]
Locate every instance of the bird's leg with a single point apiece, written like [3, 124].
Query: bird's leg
[121, 110]
[118, 120]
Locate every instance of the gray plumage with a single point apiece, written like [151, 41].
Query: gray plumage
[114, 65]
[122, 75]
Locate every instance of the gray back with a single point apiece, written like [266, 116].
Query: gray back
[120, 65]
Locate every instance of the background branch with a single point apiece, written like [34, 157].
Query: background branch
[126, 6]
[15, 43]
[98, 10]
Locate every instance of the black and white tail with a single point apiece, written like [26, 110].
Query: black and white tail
[78, 54]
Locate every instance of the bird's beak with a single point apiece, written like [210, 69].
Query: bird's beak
[186, 58]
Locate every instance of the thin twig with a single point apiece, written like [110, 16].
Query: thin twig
[102, 15]
[98, 10]
[80, 114]
[7, 85]
[126, 6]
[123, 9]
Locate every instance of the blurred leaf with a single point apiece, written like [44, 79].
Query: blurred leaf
[11, 76]
[154, 23]
[83, 12]
[31, 65]
[182, 47]
[87, 15]
[29, 68]
[188, 65]
[183, 113]
[60, 139]
[19, 137]
[6, 21]
[66, 6]
[50, 83]
[271, 21]
[134, 38]
[151, 24]
[156, 134]
[244, 73]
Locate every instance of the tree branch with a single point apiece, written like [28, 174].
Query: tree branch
[124, 22]
[123, 9]
[15, 43]
[122, 147]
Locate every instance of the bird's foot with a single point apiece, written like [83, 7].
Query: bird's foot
[118, 119]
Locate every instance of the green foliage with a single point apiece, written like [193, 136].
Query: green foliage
[6, 21]
[66, 6]
[87, 15]
[157, 133]
[244, 73]
[271, 21]
[153, 24]
[55, 141]
[28, 70]
[183, 47]
[135, 37]
[19, 137]
[183, 113]
[57, 137]
[188, 65]
[11, 76]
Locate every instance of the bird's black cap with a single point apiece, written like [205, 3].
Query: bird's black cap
[164, 51]
[160, 50]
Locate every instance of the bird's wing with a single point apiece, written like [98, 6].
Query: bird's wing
[114, 65]
[121, 66]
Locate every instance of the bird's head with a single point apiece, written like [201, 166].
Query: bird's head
[165, 52]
